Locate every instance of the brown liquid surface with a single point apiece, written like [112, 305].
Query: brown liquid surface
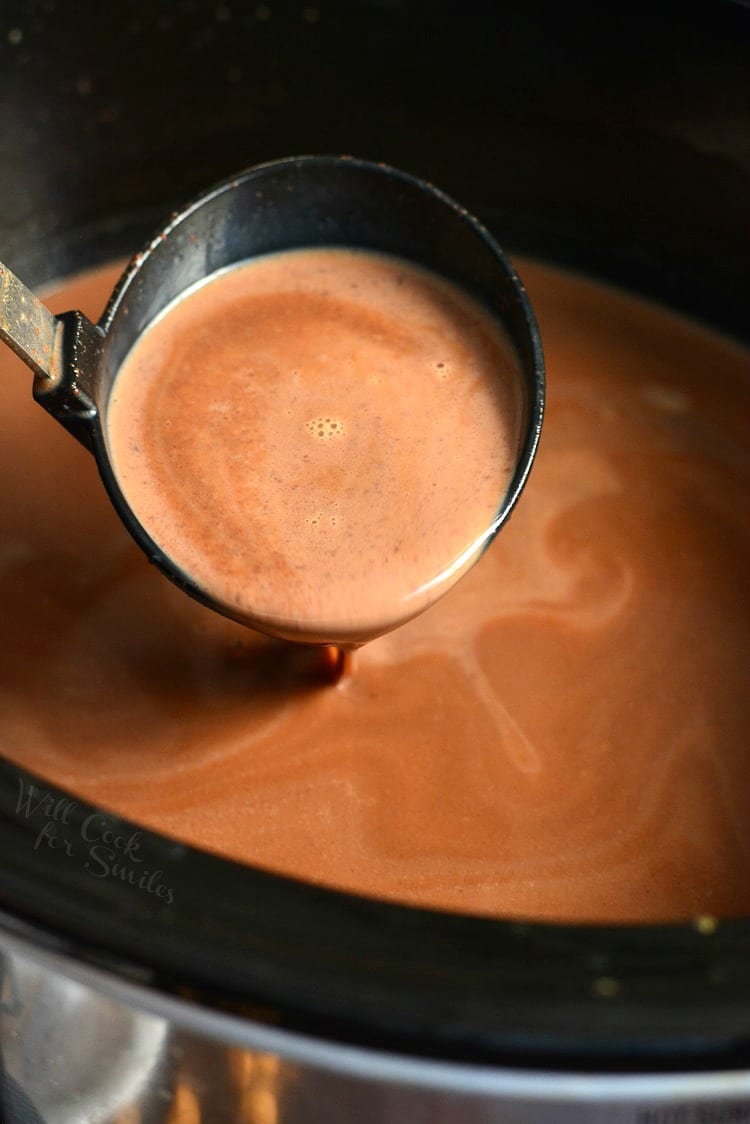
[565, 735]
[321, 439]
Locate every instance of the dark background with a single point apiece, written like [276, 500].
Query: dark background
[612, 137]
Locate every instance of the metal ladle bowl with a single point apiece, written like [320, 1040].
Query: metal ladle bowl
[294, 203]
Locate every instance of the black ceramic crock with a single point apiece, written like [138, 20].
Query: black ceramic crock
[617, 146]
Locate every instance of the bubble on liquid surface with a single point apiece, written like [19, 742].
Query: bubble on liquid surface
[322, 519]
[326, 429]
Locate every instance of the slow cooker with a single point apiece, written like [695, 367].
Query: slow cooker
[611, 141]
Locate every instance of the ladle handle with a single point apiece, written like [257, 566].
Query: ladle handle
[62, 351]
[28, 327]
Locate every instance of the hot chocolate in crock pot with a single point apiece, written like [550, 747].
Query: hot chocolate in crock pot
[562, 737]
[617, 148]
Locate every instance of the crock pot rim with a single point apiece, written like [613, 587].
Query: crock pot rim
[661, 998]
[393, 977]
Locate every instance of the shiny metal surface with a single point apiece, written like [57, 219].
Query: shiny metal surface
[77, 1055]
[80, 1046]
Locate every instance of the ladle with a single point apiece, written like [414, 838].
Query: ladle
[294, 203]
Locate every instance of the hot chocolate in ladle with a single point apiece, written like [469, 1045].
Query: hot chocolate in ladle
[304, 202]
